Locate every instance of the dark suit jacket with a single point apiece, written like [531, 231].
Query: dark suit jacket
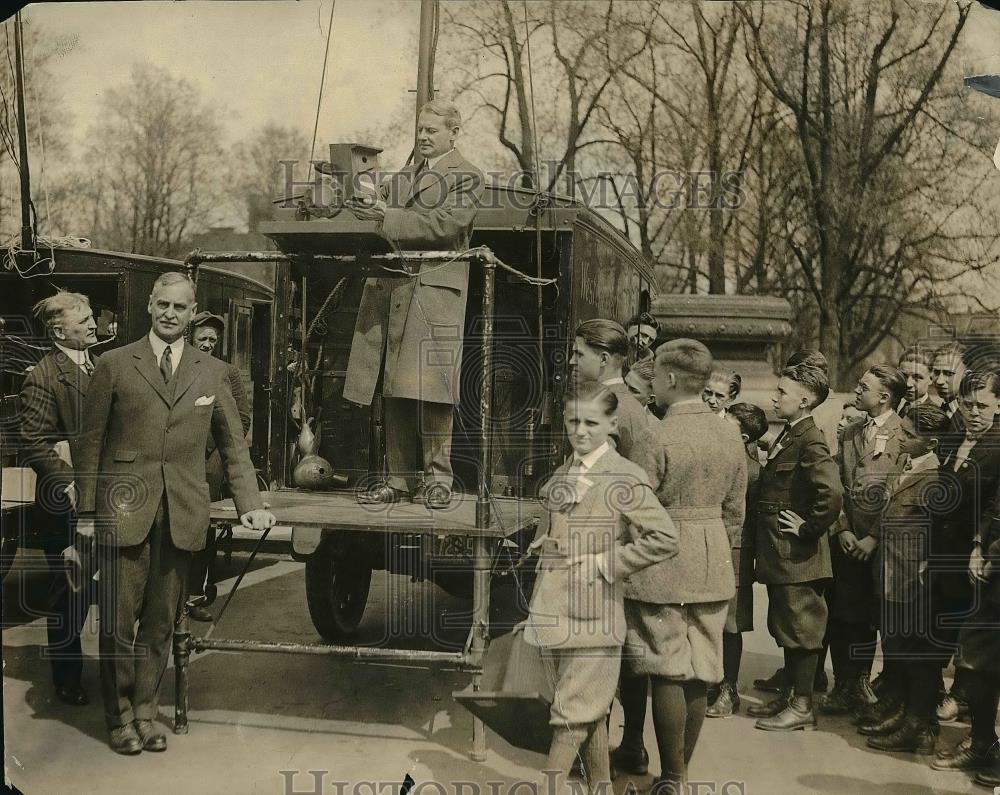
[213, 466]
[971, 492]
[696, 462]
[419, 322]
[800, 476]
[146, 440]
[51, 412]
[634, 422]
[904, 531]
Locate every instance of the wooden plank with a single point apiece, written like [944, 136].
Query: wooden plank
[341, 510]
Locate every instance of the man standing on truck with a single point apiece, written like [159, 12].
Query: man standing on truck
[409, 330]
[51, 409]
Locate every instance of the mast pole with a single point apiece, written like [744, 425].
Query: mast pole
[27, 235]
[425, 57]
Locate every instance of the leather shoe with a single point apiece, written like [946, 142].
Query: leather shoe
[124, 740]
[727, 704]
[887, 705]
[861, 693]
[437, 496]
[630, 760]
[382, 494]
[838, 701]
[199, 613]
[988, 778]
[774, 684]
[911, 737]
[947, 708]
[966, 757]
[797, 715]
[888, 725]
[770, 708]
[152, 740]
[74, 695]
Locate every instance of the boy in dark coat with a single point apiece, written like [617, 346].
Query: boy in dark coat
[799, 499]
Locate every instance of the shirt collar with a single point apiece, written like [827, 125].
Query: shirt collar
[613, 381]
[924, 461]
[586, 462]
[159, 346]
[75, 355]
[793, 423]
[687, 400]
[880, 420]
[433, 161]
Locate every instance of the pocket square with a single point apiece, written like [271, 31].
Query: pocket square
[205, 400]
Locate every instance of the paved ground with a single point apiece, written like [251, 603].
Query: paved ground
[255, 715]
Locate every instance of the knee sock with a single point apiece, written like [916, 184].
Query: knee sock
[839, 643]
[696, 697]
[566, 742]
[596, 758]
[732, 651]
[984, 696]
[802, 665]
[670, 715]
[632, 691]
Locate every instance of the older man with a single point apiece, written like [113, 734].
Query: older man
[410, 330]
[149, 412]
[51, 407]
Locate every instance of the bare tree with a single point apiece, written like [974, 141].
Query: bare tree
[890, 195]
[262, 168]
[153, 165]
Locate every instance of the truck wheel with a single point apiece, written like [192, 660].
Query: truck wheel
[337, 584]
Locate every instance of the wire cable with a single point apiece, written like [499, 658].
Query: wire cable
[322, 81]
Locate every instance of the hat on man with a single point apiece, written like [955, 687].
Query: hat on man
[208, 319]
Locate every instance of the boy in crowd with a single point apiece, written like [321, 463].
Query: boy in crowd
[912, 656]
[725, 700]
[868, 452]
[799, 499]
[915, 365]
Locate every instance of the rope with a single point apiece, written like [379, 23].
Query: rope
[12, 249]
[322, 81]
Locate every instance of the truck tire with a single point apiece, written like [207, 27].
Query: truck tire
[337, 583]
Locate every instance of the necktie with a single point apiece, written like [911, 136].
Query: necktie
[88, 367]
[166, 365]
[870, 429]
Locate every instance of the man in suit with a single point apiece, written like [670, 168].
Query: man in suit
[915, 365]
[676, 609]
[798, 500]
[206, 331]
[51, 408]
[869, 452]
[410, 330]
[947, 369]
[599, 351]
[150, 409]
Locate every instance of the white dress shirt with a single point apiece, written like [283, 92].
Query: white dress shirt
[159, 346]
[874, 424]
[430, 162]
[613, 381]
[79, 357]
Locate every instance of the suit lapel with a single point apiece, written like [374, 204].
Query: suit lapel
[432, 177]
[145, 363]
[71, 373]
[187, 372]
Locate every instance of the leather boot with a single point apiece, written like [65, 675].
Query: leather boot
[889, 724]
[797, 715]
[912, 736]
[837, 701]
[967, 756]
[727, 704]
[861, 693]
[770, 708]
[988, 778]
[775, 683]
[888, 704]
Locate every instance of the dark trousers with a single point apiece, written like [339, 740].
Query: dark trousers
[409, 422]
[67, 615]
[141, 591]
[201, 564]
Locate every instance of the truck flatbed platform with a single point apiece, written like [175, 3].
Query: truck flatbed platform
[341, 510]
